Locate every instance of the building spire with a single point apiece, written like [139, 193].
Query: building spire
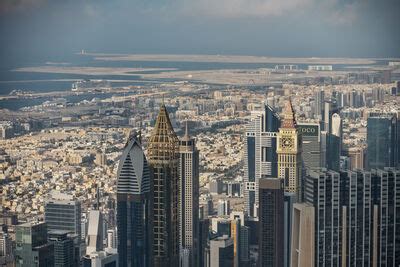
[163, 138]
[289, 120]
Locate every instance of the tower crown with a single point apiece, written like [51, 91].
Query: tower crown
[133, 172]
[289, 120]
[163, 143]
[186, 137]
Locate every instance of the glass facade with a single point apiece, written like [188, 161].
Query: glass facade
[134, 208]
[382, 139]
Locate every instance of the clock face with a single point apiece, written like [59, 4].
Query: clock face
[287, 142]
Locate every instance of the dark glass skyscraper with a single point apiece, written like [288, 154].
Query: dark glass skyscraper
[382, 139]
[134, 207]
[163, 154]
[271, 220]
[356, 217]
[63, 248]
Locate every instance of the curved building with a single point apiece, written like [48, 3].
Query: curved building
[134, 207]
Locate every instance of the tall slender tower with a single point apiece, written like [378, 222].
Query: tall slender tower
[134, 207]
[163, 154]
[289, 152]
[271, 221]
[260, 157]
[189, 197]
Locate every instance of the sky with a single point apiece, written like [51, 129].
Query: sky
[46, 29]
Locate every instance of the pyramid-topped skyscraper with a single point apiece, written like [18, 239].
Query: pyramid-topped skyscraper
[163, 155]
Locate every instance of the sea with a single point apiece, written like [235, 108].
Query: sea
[48, 82]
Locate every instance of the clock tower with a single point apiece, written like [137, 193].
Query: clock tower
[289, 152]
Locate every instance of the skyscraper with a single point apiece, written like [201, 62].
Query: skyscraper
[331, 108]
[335, 143]
[311, 146]
[189, 197]
[260, 154]
[32, 247]
[63, 248]
[163, 154]
[355, 217]
[289, 201]
[271, 229]
[357, 157]
[95, 232]
[134, 207]
[319, 100]
[63, 212]
[382, 140]
[322, 191]
[221, 252]
[302, 248]
[289, 152]
[235, 235]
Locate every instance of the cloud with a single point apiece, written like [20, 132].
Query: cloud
[7, 6]
[245, 8]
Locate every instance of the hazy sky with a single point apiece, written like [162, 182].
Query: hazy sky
[327, 28]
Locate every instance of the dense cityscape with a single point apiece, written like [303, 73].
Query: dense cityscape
[298, 173]
[198, 133]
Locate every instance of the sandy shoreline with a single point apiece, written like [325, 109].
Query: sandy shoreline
[231, 59]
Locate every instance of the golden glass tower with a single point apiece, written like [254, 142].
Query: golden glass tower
[289, 152]
[163, 157]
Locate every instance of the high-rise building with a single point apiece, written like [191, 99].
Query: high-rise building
[311, 145]
[335, 143]
[324, 148]
[385, 207]
[6, 249]
[302, 248]
[271, 220]
[100, 259]
[63, 248]
[223, 207]
[357, 158]
[322, 191]
[189, 197]
[221, 226]
[240, 235]
[134, 207]
[95, 232]
[331, 108]
[289, 200]
[163, 155]
[319, 100]
[235, 235]
[63, 212]
[259, 154]
[355, 217]
[204, 226]
[244, 246]
[32, 247]
[289, 152]
[221, 252]
[382, 140]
